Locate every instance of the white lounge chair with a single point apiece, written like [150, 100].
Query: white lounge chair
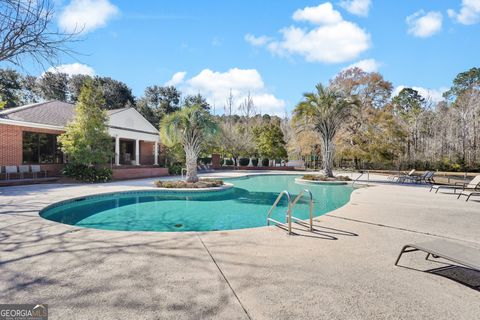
[439, 248]
[469, 194]
[426, 177]
[401, 176]
[473, 185]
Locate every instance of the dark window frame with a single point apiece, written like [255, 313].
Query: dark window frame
[43, 148]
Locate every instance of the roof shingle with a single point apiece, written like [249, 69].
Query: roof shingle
[56, 113]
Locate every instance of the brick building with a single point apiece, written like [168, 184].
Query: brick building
[28, 135]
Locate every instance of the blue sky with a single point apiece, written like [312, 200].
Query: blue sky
[276, 50]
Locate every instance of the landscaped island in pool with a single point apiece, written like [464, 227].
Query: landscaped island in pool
[244, 206]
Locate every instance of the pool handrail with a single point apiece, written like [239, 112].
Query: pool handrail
[289, 212]
[310, 204]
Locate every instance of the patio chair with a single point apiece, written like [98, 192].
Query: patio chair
[10, 170]
[36, 170]
[398, 176]
[23, 169]
[469, 194]
[207, 168]
[439, 248]
[473, 185]
[426, 177]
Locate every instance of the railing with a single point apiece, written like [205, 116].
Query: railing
[310, 205]
[290, 206]
[289, 213]
[361, 174]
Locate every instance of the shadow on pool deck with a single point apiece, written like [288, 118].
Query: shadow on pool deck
[319, 232]
[82, 270]
[465, 276]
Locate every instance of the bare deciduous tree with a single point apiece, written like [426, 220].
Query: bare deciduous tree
[26, 32]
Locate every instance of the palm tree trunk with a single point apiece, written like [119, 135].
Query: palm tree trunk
[328, 157]
[191, 162]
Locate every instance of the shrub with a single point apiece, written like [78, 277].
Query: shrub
[87, 173]
[229, 162]
[321, 177]
[244, 161]
[265, 162]
[254, 162]
[182, 184]
[222, 161]
[175, 168]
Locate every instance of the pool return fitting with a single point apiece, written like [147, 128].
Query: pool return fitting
[290, 206]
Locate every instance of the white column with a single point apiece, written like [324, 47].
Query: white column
[137, 152]
[117, 151]
[155, 154]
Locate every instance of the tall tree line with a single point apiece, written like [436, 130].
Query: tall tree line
[406, 130]
[17, 89]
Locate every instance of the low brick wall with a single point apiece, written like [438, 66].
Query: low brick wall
[137, 173]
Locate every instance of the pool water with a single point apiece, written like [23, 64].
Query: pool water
[244, 206]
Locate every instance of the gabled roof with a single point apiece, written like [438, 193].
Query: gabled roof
[56, 113]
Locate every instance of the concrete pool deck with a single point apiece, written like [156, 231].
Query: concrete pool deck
[344, 270]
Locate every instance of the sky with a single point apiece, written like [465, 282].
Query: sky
[272, 50]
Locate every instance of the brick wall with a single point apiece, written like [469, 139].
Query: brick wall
[11, 152]
[146, 153]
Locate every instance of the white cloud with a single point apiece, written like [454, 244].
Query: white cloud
[257, 41]
[176, 79]
[357, 7]
[424, 25]
[73, 68]
[469, 12]
[333, 43]
[322, 14]
[216, 87]
[334, 40]
[431, 95]
[86, 15]
[367, 65]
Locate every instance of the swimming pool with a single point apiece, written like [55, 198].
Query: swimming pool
[244, 206]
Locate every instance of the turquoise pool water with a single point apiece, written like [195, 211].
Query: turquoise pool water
[244, 206]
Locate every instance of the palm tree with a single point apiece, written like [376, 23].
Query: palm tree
[324, 111]
[190, 127]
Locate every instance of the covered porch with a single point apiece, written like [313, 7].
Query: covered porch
[136, 140]
[135, 152]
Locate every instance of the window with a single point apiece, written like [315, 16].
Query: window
[41, 148]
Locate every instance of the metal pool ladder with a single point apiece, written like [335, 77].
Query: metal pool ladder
[290, 205]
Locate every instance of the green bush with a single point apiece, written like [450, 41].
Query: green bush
[244, 161]
[321, 177]
[87, 173]
[265, 162]
[254, 162]
[229, 162]
[175, 168]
